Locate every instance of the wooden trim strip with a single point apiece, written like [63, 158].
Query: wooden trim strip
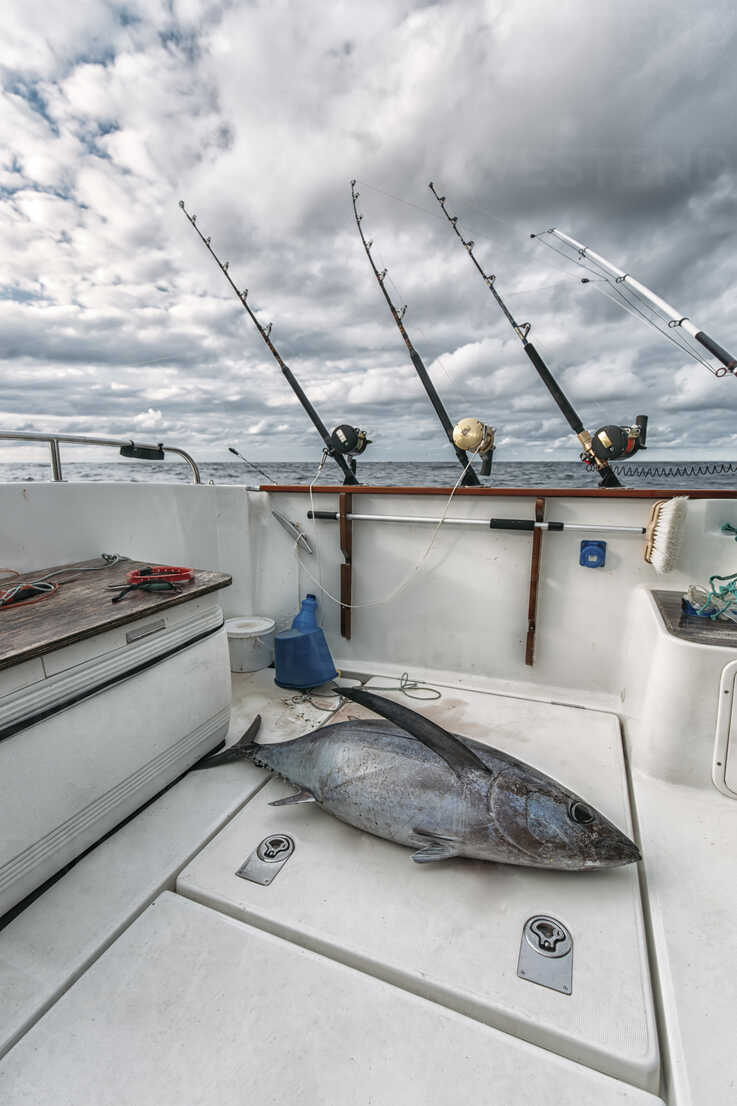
[537, 541]
[527, 493]
[345, 506]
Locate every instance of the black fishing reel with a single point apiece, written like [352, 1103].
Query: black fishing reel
[348, 441]
[611, 443]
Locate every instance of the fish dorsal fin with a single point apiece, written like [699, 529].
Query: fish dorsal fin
[453, 751]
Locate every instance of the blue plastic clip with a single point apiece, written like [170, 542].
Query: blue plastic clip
[593, 554]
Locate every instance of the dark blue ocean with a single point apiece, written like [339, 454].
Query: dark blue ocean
[526, 474]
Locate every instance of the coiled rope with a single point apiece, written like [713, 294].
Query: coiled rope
[719, 600]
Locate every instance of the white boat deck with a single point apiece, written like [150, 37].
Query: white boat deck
[689, 837]
[47, 946]
[362, 943]
[190, 1006]
[451, 931]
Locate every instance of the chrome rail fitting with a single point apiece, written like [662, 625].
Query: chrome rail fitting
[134, 449]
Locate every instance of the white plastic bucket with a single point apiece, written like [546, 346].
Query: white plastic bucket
[251, 642]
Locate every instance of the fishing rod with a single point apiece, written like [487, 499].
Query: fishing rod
[609, 442]
[345, 442]
[232, 449]
[675, 318]
[469, 476]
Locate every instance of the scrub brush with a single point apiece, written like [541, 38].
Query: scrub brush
[664, 532]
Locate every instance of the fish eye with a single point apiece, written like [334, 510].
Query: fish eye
[580, 814]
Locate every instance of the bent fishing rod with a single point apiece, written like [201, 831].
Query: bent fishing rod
[675, 318]
[346, 441]
[469, 476]
[609, 442]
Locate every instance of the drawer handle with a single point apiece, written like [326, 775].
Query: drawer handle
[145, 631]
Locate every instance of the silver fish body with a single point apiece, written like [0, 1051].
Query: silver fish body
[489, 806]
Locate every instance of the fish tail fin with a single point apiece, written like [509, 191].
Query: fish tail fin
[242, 748]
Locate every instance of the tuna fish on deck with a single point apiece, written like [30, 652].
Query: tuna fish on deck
[408, 780]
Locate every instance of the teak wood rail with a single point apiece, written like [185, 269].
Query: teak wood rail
[520, 493]
[346, 569]
[537, 541]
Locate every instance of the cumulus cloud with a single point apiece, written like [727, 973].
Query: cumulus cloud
[116, 321]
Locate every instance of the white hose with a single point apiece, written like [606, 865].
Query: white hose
[410, 576]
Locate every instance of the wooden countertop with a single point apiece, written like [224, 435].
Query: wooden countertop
[83, 607]
[699, 631]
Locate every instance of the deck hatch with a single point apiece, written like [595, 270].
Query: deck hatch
[450, 931]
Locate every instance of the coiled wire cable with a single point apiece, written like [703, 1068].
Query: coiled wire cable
[657, 472]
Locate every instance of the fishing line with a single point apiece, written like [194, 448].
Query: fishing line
[314, 480]
[540, 237]
[636, 312]
[430, 211]
[623, 300]
[407, 686]
[413, 689]
[408, 203]
[408, 579]
[540, 288]
[415, 326]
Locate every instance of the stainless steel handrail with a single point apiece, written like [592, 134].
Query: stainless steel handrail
[53, 441]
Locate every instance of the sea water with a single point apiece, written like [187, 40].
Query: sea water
[505, 474]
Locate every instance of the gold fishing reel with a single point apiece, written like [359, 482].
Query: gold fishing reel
[476, 437]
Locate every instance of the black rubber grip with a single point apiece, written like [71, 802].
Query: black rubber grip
[713, 347]
[331, 515]
[511, 524]
[555, 525]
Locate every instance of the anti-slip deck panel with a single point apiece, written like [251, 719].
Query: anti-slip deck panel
[451, 931]
[189, 1006]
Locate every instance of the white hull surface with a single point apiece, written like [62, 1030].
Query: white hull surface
[356, 975]
[107, 740]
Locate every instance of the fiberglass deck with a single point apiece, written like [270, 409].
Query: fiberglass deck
[356, 975]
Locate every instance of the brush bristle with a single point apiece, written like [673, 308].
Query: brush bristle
[667, 534]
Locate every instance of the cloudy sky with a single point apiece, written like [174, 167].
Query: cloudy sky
[614, 122]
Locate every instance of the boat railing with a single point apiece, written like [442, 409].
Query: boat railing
[128, 448]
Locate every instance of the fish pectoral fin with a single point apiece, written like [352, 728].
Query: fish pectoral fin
[434, 850]
[437, 847]
[302, 796]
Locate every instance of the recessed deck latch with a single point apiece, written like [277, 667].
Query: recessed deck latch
[546, 954]
[267, 859]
